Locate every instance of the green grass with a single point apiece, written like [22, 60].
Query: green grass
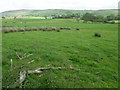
[95, 59]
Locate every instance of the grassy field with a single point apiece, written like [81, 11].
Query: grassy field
[95, 59]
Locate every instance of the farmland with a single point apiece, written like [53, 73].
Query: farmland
[95, 59]
[50, 12]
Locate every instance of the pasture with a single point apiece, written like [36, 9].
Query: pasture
[95, 59]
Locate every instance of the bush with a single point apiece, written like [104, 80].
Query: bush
[58, 30]
[77, 28]
[113, 22]
[61, 28]
[27, 29]
[97, 35]
[68, 28]
[21, 30]
[11, 30]
[34, 29]
[39, 28]
[53, 28]
[6, 31]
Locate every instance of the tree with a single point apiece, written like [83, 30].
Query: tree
[89, 17]
[110, 17]
[77, 17]
[99, 18]
[3, 17]
[15, 17]
[45, 17]
[105, 20]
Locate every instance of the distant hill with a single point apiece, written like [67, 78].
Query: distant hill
[50, 12]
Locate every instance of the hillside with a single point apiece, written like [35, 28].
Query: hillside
[50, 12]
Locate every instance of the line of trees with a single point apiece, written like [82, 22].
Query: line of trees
[65, 16]
[93, 18]
[88, 17]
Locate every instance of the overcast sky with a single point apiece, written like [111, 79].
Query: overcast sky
[6, 5]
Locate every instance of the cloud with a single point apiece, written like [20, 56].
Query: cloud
[58, 4]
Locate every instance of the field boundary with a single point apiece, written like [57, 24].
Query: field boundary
[9, 29]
